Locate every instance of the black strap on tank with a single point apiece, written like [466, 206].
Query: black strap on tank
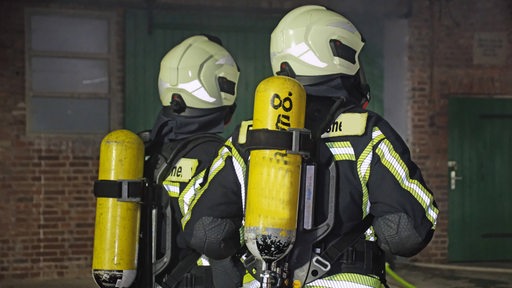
[120, 189]
[296, 141]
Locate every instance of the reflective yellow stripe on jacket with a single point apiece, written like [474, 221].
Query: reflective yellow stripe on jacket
[346, 280]
[196, 188]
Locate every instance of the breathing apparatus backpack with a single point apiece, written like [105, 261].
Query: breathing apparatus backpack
[159, 257]
[281, 243]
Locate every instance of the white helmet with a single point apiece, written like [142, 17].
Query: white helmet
[198, 73]
[314, 41]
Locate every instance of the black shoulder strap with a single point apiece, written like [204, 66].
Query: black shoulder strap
[320, 264]
[182, 149]
[183, 267]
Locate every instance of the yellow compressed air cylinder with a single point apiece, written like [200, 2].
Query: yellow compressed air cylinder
[274, 175]
[117, 220]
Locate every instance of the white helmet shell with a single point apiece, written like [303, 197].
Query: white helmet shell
[201, 71]
[304, 38]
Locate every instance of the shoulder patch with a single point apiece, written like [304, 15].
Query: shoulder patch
[183, 171]
[347, 124]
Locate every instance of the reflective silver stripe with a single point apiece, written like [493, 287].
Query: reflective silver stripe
[397, 167]
[346, 280]
[240, 170]
[341, 150]
[172, 188]
[196, 187]
[203, 261]
[189, 197]
[363, 168]
[337, 284]
[252, 284]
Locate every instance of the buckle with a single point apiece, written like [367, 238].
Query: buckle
[297, 144]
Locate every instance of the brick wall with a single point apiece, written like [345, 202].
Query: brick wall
[441, 66]
[47, 207]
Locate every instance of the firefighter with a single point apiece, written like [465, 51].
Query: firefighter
[197, 86]
[367, 187]
[376, 176]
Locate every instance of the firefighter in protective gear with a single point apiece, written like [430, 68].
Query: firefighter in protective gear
[197, 86]
[366, 186]
[375, 175]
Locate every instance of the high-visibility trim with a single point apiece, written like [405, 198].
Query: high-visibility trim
[250, 282]
[363, 171]
[196, 187]
[346, 280]
[397, 167]
[342, 150]
[184, 170]
[172, 188]
[347, 124]
[203, 261]
[363, 167]
[188, 198]
[240, 170]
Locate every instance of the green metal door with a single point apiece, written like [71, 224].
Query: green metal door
[480, 195]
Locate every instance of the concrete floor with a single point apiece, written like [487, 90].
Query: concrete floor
[495, 275]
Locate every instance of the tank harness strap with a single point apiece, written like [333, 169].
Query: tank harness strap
[365, 257]
[124, 190]
[340, 245]
[362, 257]
[179, 272]
[294, 141]
[321, 264]
[182, 149]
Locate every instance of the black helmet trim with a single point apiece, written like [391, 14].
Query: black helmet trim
[177, 104]
[343, 51]
[286, 70]
[226, 85]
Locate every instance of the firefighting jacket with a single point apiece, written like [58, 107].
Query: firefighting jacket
[180, 167]
[374, 174]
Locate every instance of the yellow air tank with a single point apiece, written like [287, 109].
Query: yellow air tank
[274, 175]
[116, 229]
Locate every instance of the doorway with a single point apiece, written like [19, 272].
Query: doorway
[480, 176]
